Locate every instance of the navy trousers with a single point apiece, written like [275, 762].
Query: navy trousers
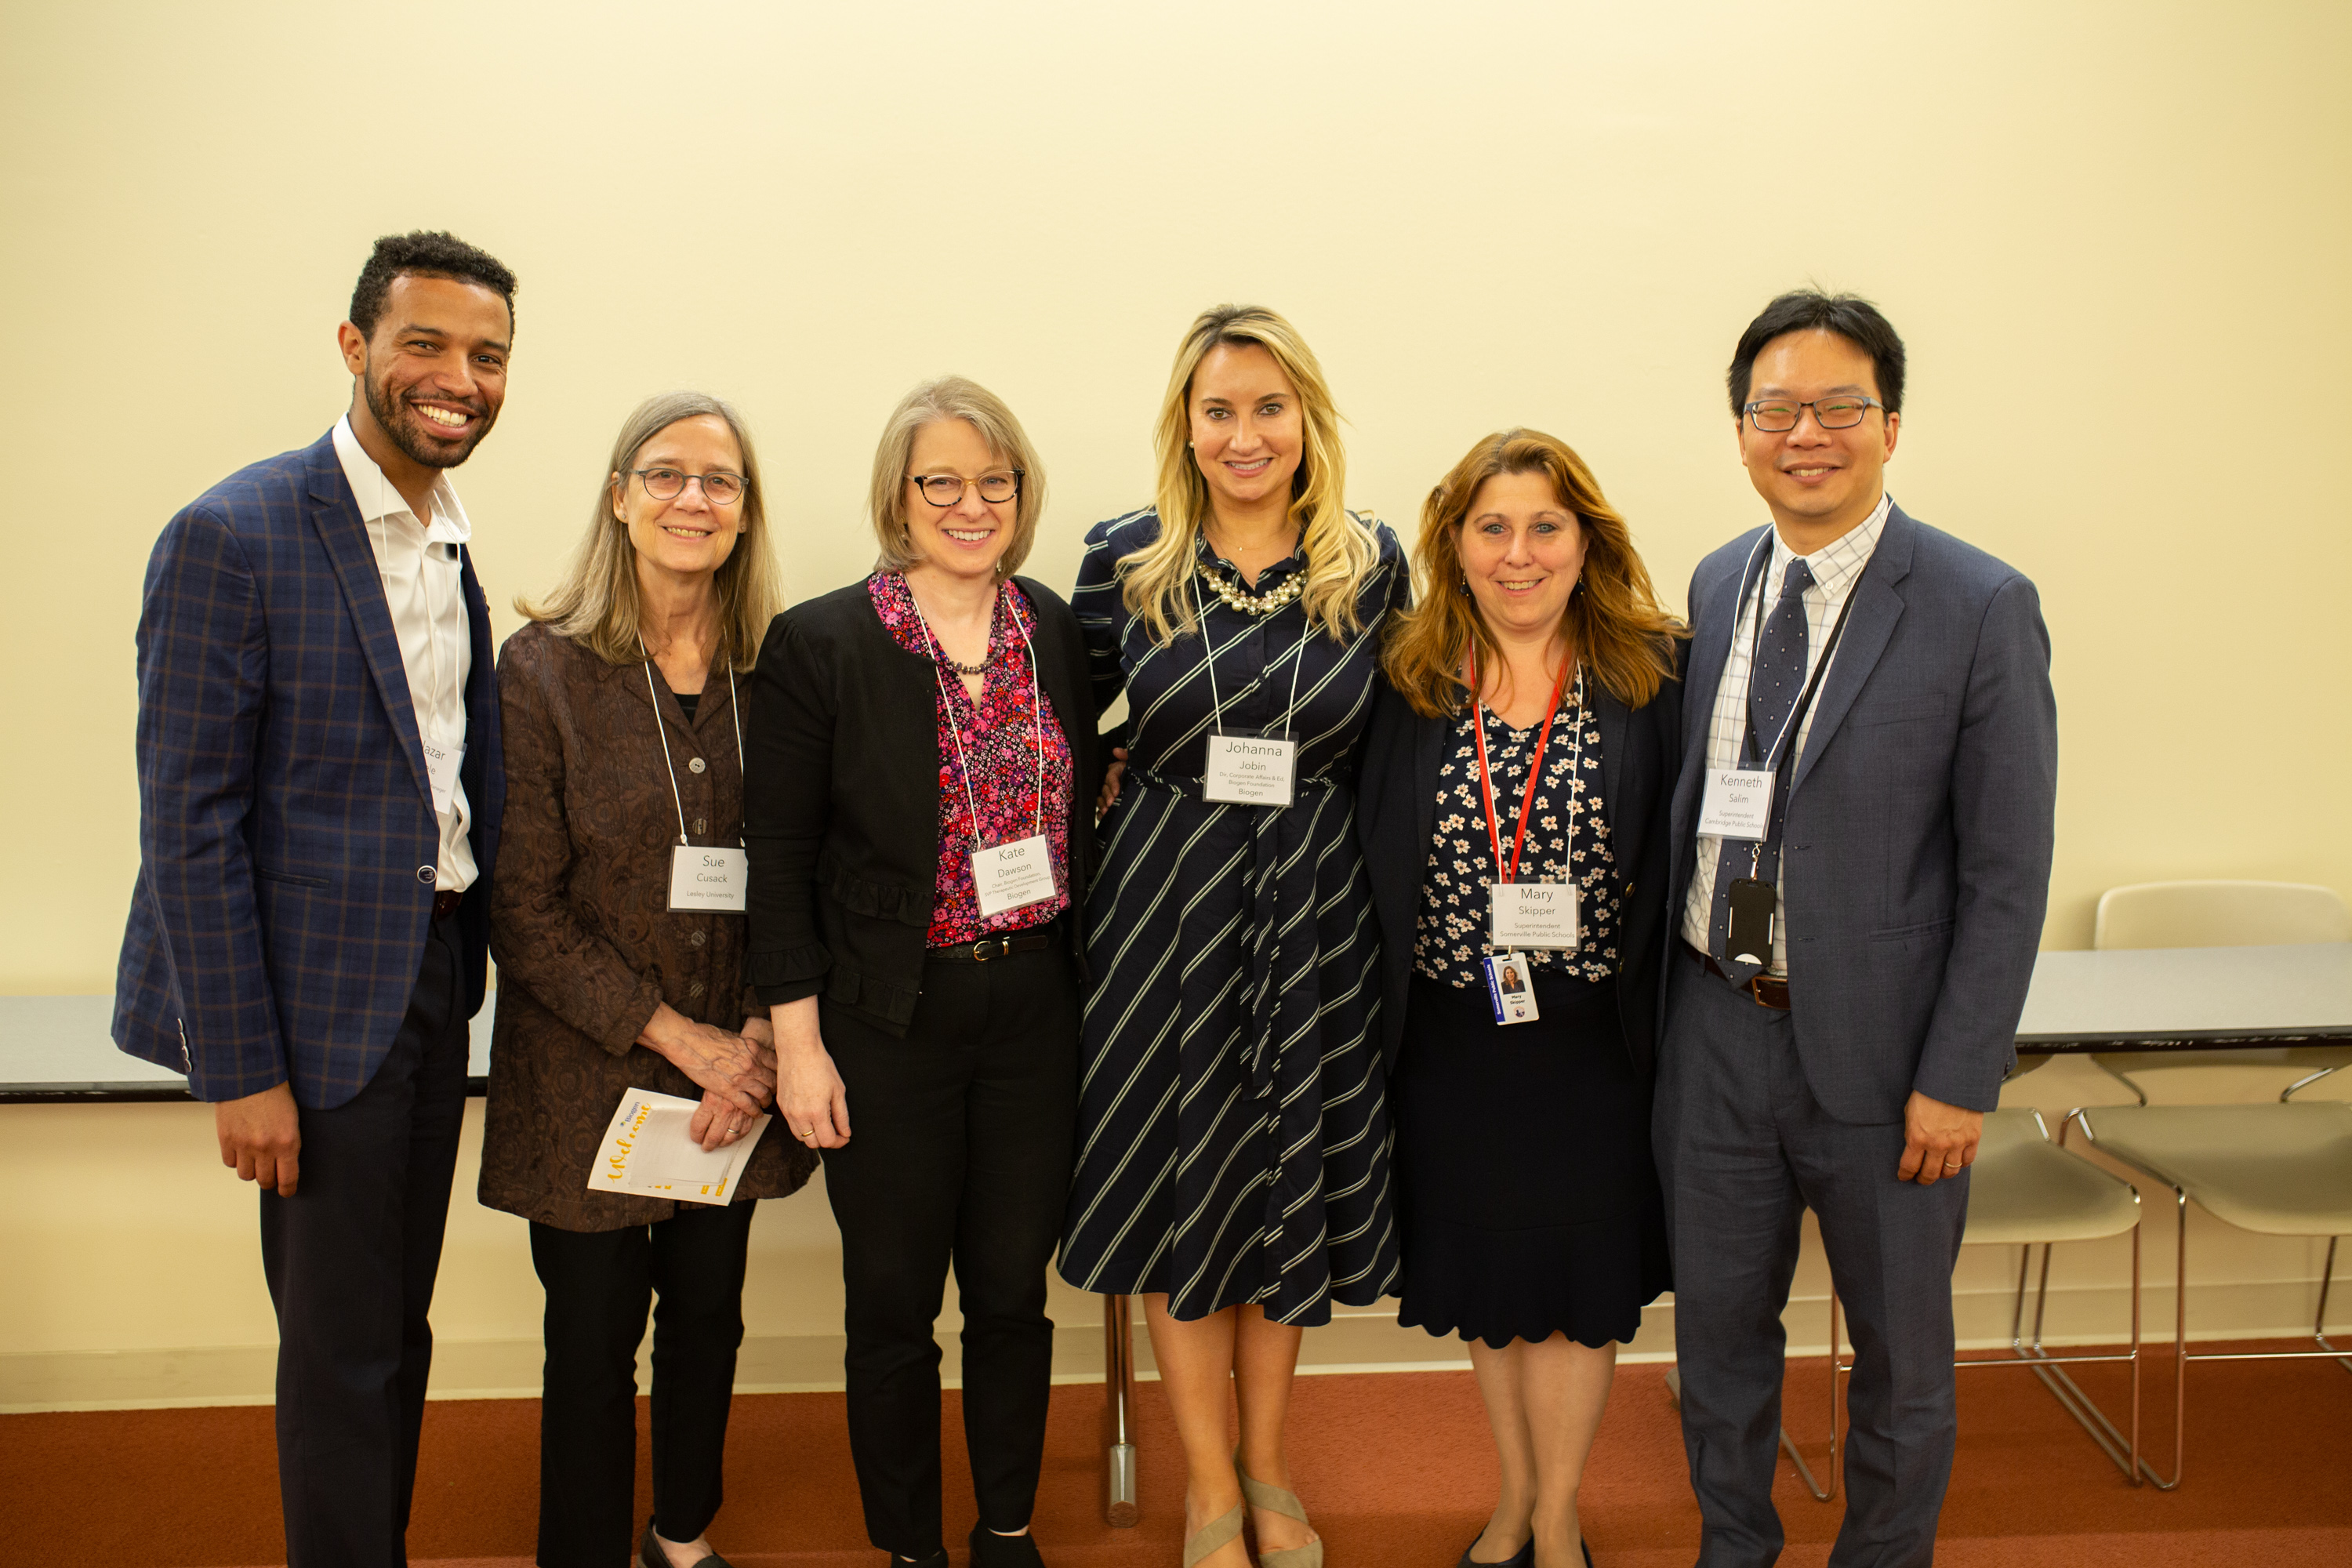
[1743, 1150]
[351, 1259]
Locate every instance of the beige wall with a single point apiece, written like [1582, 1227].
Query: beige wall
[2115, 234]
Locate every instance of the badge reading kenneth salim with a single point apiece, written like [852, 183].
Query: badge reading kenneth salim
[1738, 803]
[1534, 914]
[1249, 770]
[707, 879]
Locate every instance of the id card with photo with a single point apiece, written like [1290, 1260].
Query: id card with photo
[1511, 986]
[1249, 770]
[1007, 876]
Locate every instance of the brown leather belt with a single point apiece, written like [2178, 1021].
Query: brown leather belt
[1767, 990]
[992, 947]
[445, 902]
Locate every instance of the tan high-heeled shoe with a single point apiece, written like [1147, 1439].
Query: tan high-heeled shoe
[1274, 1499]
[1215, 1534]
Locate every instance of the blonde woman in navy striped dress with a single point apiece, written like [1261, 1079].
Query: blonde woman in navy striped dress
[1234, 1150]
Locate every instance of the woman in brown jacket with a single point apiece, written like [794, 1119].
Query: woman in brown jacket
[622, 739]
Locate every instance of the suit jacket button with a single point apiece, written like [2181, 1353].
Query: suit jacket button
[695, 764]
[425, 875]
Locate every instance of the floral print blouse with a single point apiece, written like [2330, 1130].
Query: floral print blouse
[998, 761]
[1567, 840]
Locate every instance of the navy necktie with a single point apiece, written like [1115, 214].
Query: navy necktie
[1774, 683]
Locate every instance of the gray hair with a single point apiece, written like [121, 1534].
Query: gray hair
[595, 604]
[951, 397]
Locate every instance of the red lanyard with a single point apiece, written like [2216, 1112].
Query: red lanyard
[1535, 768]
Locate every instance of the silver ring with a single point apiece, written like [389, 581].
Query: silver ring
[1953, 1165]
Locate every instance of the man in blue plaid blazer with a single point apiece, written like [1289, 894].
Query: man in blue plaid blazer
[320, 786]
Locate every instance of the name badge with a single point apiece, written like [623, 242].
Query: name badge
[441, 761]
[708, 880]
[1534, 914]
[1511, 986]
[1249, 770]
[1738, 803]
[1007, 876]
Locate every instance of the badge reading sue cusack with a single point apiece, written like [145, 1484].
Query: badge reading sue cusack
[707, 878]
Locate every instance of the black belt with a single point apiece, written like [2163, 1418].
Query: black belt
[1034, 940]
[445, 902]
[1767, 990]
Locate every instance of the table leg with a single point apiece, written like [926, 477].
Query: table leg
[1120, 1507]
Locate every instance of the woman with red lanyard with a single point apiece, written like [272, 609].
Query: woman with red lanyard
[1513, 813]
[920, 775]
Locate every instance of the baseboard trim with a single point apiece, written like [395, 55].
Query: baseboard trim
[1357, 1339]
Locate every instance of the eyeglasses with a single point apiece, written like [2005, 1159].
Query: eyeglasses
[946, 490]
[719, 488]
[1777, 415]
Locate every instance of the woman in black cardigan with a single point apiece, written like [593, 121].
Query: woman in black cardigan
[1515, 786]
[922, 766]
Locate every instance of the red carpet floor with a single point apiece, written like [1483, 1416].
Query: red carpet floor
[1395, 1467]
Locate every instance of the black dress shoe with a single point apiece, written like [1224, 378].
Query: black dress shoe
[936, 1559]
[651, 1555]
[990, 1550]
[1525, 1557]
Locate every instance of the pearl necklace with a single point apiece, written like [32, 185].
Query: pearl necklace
[1264, 604]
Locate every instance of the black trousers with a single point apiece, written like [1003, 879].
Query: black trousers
[960, 1150]
[351, 1259]
[599, 1286]
[1745, 1148]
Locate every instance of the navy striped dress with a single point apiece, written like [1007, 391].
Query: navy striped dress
[1232, 1143]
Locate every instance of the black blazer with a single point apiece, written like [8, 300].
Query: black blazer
[1396, 816]
[841, 807]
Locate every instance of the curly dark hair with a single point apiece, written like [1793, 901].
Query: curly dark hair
[432, 253]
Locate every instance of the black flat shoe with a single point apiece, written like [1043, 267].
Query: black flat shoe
[990, 1550]
[1525, 1557]
[936, 1559]
[651, 1555]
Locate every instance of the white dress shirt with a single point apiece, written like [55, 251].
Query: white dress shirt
[1836, 568]
[418, 563]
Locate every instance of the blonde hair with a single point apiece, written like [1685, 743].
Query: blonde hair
[952, 397]
[1341, 551]
[1612, 620]
[595, 604]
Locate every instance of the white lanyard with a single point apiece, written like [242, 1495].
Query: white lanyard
[1012, 875]
[709, 880]
[955, 726]
[1247, 770]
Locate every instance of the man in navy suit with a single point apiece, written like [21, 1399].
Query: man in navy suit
[1862, 838]
[318, 794]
